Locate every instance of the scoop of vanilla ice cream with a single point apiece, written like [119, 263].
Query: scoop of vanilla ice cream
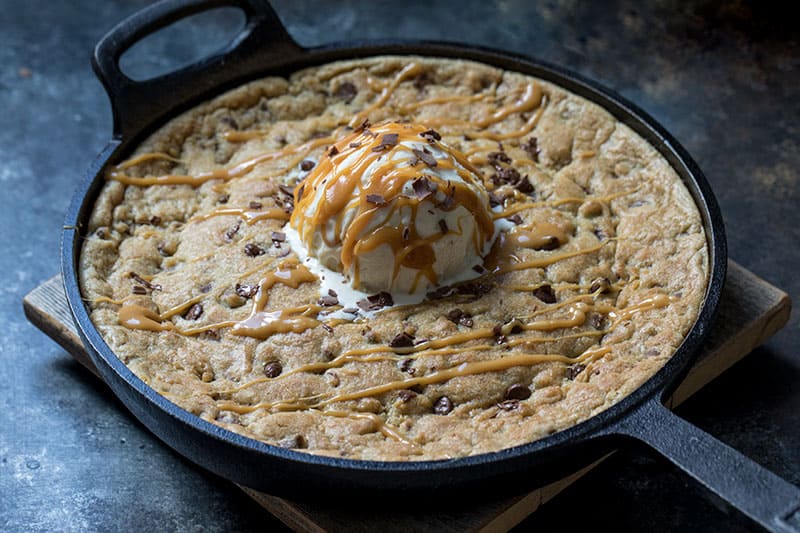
[393, 209]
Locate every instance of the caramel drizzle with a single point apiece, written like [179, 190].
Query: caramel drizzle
[250, 216]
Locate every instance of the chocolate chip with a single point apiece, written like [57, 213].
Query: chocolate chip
[406, 395]
[306, 165]
[138, 289]
[425, 156]
[443, 225]
[273, 369]
[376, 301]
[253, 250]
[506, 176]
[332, 293]
[350, 310]
[246, 291]
[346, 91]
[300, 191]
[524, 185]
[295, 442]
[458, 316]
[600, 284]
[517, 392]
[423, 187]
[364, 126]
[205, 288]
[155, 220]
[231, 232]
[508, 405]
[255, 205]
[546, 294]
[596, 320]
[333, 151]
[600, 234]
[278, 236]
[515, 218]
[376, 199]
[550, 242]
[495, 158]
[406, 233]
[532, 147]
[431, 135]
[328, 301]
[402, 340]
[474, 288]
[194, 312]
[288, 190]
[327, 328]
[442, 406]
[480, 269]
[223, 198]
[574, 370]
[406, 365]
[141, 281]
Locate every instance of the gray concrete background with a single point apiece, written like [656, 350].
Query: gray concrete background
[723, 78]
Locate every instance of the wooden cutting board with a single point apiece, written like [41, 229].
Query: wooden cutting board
[751, 311]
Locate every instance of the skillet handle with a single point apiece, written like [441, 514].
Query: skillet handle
[758, 493]
[262, 43]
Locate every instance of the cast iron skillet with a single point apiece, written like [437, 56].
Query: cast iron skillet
[263, 47]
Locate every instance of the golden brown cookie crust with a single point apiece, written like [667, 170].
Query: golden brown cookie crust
[627, 284]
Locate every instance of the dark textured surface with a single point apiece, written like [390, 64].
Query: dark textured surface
[725, 80]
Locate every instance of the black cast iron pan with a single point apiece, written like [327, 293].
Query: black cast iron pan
[263, 48]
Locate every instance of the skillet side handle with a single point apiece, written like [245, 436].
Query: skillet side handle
[758, 493]
[262, 43]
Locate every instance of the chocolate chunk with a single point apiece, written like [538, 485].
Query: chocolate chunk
[475, 288]
[328, 301]
[376, 199]
[458, 316]
[346, 91]
[494, 200]
[425, 156]
[423, 187]
[253, 250]
[278, 236]
[364, 126]
[546, 294]
[388, 141]
[406, 233]
[600, 284]
[246, 291]
[402, 340]
[376, 301]
[306, 165]
[495, 158]
[288, 190]
[300, 191]
[155, 220]
[574, 370]
[406, 395]
[138, 289]
[255, 205]
[443, 225]
[442, 292]
[327, 328]
[333, 151]
[406, 365]
[506, 176]
[550, 242]
[524, 185]
[273, 369]
[515, 218]
[442, 406]
[194, 312]
[517, 392]
[480, 269]
[232, 231]
[350, 310]
[431, 135]
[532, 147]
[298, 442]
[223, 198]
[332, 293]
[141, 281]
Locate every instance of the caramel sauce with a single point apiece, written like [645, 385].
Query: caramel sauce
[250, 216]
[135, 316]
[539, 237]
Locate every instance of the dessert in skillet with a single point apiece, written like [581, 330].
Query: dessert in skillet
[395, 258]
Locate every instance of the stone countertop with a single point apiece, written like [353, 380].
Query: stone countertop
[723, 78]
